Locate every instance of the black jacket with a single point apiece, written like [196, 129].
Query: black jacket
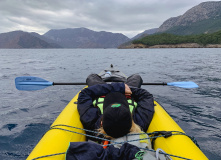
[90, 116]
[94, 151]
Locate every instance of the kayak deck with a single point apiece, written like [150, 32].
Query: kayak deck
[56, 141]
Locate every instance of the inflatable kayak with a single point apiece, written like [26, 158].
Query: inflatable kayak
[67, 128]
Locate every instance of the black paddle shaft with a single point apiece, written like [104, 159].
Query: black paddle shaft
[164, 83]
[76, 83]
[80, 83]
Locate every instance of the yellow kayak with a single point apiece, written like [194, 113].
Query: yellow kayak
[55, 142]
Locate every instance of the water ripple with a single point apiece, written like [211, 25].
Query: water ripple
[26, 116]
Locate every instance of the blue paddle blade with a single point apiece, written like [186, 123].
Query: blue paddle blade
[188, 84]
[31, 83]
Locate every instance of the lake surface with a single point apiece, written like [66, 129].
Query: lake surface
[26, 116]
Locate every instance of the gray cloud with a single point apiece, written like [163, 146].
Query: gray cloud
[125, 16]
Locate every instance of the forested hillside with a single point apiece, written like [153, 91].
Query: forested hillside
[166, 39]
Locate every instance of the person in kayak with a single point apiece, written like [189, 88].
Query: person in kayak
[116, 118]
[141, 103]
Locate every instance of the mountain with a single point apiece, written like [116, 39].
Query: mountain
[165, 40]
[46, 39]
[203, 18]
[85, 38]
[20, 39]
[138, 36]
[145, 33]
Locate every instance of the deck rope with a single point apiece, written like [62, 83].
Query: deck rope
[98, 133]
[50, 155]
[113, 142]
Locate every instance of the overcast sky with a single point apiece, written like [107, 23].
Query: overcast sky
[129, 17]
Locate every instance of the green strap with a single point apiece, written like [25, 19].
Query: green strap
[99, 103]
[132, 105]
[139, 155]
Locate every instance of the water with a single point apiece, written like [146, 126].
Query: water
[26, 116]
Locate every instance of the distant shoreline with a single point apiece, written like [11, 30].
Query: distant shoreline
[183, 45]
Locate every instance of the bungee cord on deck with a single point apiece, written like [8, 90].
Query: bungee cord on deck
[158, 133]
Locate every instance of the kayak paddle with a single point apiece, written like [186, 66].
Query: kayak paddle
[27, 83]
[184, 84]
[36, 83]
